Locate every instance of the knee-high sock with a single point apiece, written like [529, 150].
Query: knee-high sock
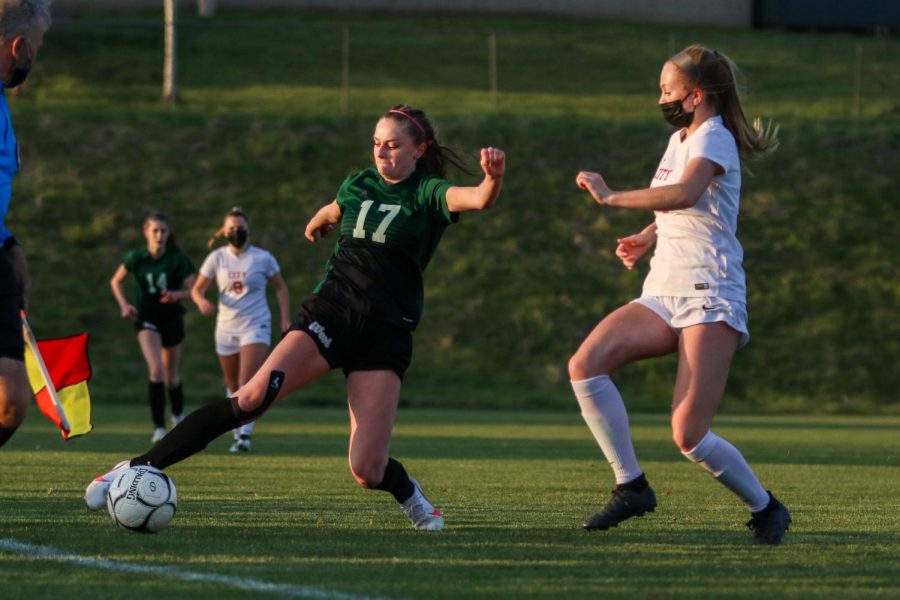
[156, 391]
[176, 399]
[396, 481]
[604, 412]
[726, 463]
[191, 435]
[204, 425]
[246, 428]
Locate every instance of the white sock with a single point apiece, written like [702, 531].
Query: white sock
[236, 432]
[726, 463]
[604, 412]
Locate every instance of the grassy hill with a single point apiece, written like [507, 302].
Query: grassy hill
[264, 122]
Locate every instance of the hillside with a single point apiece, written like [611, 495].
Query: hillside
[263, 122]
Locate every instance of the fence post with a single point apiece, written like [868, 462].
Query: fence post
[492, 67]
[169, 92]
[206, 8]
[345, 69]
[857, 84]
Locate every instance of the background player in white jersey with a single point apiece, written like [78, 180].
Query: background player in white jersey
[694, 298]
[244, 323]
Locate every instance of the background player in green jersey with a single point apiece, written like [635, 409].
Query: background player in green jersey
[164, 275]
[361, 316]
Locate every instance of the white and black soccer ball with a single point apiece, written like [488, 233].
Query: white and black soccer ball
[142, 499]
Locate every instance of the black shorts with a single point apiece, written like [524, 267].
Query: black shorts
[170, 327]
[354, 341]
[12, 343]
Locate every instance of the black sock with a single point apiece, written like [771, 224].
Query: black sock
[396, 481]
[156, 390]
[192, 435]
[638, 484]
[176, 398]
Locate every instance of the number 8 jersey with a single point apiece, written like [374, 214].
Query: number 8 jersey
[388, 234]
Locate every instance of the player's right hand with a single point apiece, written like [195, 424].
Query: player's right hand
[129, 311]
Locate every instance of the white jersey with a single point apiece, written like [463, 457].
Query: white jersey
[697, 250]
[241, 280]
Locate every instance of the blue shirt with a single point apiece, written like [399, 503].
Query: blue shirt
[9, 162]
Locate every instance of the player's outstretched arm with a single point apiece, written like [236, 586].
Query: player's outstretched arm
[484, 195]
[323, 221]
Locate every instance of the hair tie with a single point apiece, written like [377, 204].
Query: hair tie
[415, 122]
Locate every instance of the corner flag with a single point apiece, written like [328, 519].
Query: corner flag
[59, 370]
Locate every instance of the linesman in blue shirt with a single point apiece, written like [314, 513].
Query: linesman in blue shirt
[22, 27]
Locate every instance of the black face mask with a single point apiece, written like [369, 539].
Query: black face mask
[237, 238]
[20, 73]
[674, 114]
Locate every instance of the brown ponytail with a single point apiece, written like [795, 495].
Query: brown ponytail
[436, 157]
[716, 74]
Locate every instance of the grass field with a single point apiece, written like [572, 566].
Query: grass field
[288, 521]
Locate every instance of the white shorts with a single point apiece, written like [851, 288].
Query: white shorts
[229, 343]
[679, 312]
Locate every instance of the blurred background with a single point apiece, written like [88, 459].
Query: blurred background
[270, 105]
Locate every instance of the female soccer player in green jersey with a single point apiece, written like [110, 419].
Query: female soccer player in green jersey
[361, 316]
[164, 276]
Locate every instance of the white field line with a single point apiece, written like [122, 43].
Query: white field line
[36, 552]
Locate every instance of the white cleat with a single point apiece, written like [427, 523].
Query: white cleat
[158, 434]
[97, 491]
[176, 419]
[421, 512]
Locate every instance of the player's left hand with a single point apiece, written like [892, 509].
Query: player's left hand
[166, 297]
[493, 162]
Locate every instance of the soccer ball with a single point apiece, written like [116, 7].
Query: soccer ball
[142, 499]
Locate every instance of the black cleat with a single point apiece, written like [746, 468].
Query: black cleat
[770, 523]
[624, 504]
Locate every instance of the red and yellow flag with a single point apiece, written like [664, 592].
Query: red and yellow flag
[66, 400]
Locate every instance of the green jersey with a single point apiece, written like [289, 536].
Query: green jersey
[156, 275]
[388, 234]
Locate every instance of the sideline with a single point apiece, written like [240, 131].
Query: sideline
[36, 552]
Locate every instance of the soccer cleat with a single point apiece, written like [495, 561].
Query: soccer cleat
[770, 524]
[176, 419]
[624, 504]
[96, 492]
[241, 444]
[420, 510]
[158, 434]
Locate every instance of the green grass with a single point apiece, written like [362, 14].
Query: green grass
[261, 123]
[513, 487]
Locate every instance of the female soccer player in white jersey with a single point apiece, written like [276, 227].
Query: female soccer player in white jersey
[694, 298]
[361, 316]
[244, 323]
